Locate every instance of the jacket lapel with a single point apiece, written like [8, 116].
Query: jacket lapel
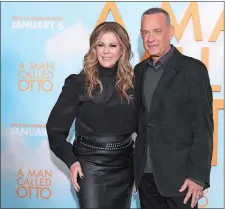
[140, 75]
[165, 81]
[143, 99]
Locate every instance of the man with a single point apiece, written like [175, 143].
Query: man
[173, 149]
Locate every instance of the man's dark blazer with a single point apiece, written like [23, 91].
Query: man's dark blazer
[179, 126]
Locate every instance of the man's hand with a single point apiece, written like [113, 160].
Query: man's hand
[194, 190]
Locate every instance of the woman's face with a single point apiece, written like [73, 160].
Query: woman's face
[108, 50]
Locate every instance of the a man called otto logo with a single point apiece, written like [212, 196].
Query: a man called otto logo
[35, 77]
[34, 183]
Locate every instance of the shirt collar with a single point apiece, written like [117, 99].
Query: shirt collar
[105, 72]
[162, 61]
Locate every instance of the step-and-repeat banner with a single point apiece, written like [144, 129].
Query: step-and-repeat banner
[41, 44]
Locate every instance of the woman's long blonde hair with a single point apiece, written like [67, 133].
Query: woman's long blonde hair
[124, 77]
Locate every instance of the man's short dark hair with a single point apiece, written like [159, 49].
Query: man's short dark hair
[157, 10]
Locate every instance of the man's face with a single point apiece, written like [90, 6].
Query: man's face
[156, 34]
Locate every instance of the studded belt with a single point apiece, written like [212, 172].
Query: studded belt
[106, 143]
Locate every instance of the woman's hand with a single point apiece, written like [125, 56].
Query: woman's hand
[74, 170]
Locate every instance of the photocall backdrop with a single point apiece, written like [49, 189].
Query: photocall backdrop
[42, 43]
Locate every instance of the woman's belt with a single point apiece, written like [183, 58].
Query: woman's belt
[106, 143]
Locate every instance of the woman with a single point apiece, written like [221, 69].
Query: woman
[101, 100]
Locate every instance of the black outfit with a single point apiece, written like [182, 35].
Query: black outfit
[150, 198]
[177, 131]
[151, 80]
[103, 144]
